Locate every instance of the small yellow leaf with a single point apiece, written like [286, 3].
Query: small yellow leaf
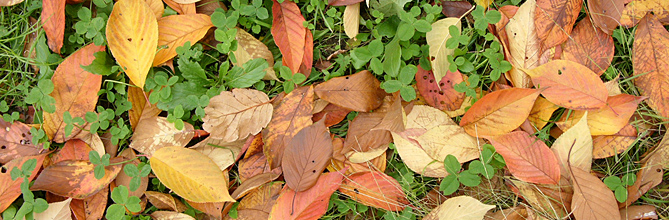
[436, 39]
[576, 145]
[352, 20]
[461, 208]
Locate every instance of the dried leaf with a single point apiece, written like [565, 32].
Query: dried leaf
[11, 189]
[592, 198]
[75, 178]
[74, 96]
[552, 201]
[524, 45]
[307, 205]
[440, 95]
[261, 199]
[133, 38]
[212, 209]
[156, 132]
[248, 48]
[252, 166]
[574, 147]
[375, 189]
[589, 46]
[607, 120]
[606, 14]
[235, 115]
[92, 207]
[499, 112]
[609, 145]
[16, 141]
[186, 1]
[460, 207]
[541, 112]
[361, 157]
[351, 20]
[636, 10]
[190, 174]
[10, 2]
[436, 39]
[333, 114]
[648, 177]
[651, 63]
[141, 108]
[570, 85]
[455, 8]
[255, 182]
[306, 156]
[357, 92]
[175, 30]
[74, 149]
[639, 212]
[53, 22]
[289, 33]
[56, 210]
[169, 215]
[554, 20]
[165, 201]
[613, 86]
[182, 9]
[224, 154]
[528, 158]
[343, 2]
[157, 7]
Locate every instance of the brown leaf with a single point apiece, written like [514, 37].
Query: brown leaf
[11, 189]
[259, 202]
[454, 8]
[306, 156]
[289, 33]
[554, 20]
[252, 166]
[606, 14]
[291, 115]
[255, 182]
[141, 108]
[528, 158]
[235, 115]
[165, 201]
[651, 63]
[74, 96]
[609, 145]
[639, 212]
[224, 154]
[75, 178]
[551, 200]
[375, 189]
[209, 6]
[210, 208]
[636, 10]
[589, 46]
[499, 112]
[175, 30]
[74, 149]
[343, 2]
[592, 198]
[648, 177]
[333, 114]
[16, 141]
[53, 22]
[307, 205]
[156, 132]
[92, 207]
[357, 92]
[440, 95]
[169, 215]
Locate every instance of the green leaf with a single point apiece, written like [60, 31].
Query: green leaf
[192, 71]
[612, 182]
[180, 92]
[233, 211]
[135, 182]
[299, 78]
[392, 61]
[407, 74]
[120, 195]
[422, 26]
[476, 167]
[102, 65]
[467, 178]
[133, 204]
[391, 86]
[254, 71]
[94, 157]
[375, 48]
[621, 193]
[405, 31]
[40, 205]
[629, 179]
[376, 65]
[115, 212]
[451, 164]
[99, 171]
[408, 93]
[131, 170]
[449, 184]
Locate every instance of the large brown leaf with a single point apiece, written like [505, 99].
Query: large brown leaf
[499, 112]
[592, 198]
[306, 205]
[53, 22]
[75, 96]
[357, 92]
[235, 115]
[75, 178]
[606, 13]
[291, 115]
[175, 30]
[651, 63]
[589, 46]
[156, 132]
[375, 189]
[11, 189]
[554, 20]
[289, 33]
[16, 141]
[306, 156]
[440, 94]
[528, 158]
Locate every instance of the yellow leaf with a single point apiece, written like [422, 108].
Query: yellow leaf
[483, 3]
[524, 45]
[175, 30]
[190, 174]
[576, 145]
[436, 39]
[460, 208]
[154, 133]
[248, 48]
[352, 20]
[541, 112]
[132, 36]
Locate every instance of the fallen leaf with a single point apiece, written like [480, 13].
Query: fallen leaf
[592, 198]
[340, 160]
[170, 215]
[182, 9]
[613, 86]
[607, 120]
[524, 46]
[552, 201]
[11, 189]
[460, 207]
[123, 179]
[10, 2]
[254, 182]
[639, 212]
[424, 117]
[364, 132]
[570, 85]
[141, 108]
[74, 96]
[455, 8]
[190, 174]
[436, 39]
[133, 38]
[157, 7]
[343, 2]
[252, 166]
[361, 157]
[651, 63]
[333, 114]
[175, 30]
[499, 112]
[357, 92]
[554, 20]
[156, 132]
[609, 145]
[541, 112]
[589, 46]
[648, 177]
[75, 178]
[165, 201]
[351, 20]
[306, 156]
[16, 141]
[248, 48]
[213, 209]
[56, 210]
[224, 154]
[308, 58]
[442, 94]
[53, 23]
[659, 154]
[186, 1]
[528, 158]
[289, 33]
[92, 207]
[513, 213]
[309, 204]
[574, 147]
[290, 116]
[74, 149]
[232, 116]
[375, 189]
[209, 6]
[606, 14]
[636, 10]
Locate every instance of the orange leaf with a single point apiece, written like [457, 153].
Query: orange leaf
[289, 33]
[175, 30]
[74, 149]
[53, 22]
[357, 92]
[75, 96]
[75, 178]
[541, 112]
[157, 7]
[606, 14]
[375, 189]
[307, 205]
[528, 158]
[636, 10]
[333, 115]
[592, 198]
[92, 207]
[132, 36]
[308, 58]
[554, 20]
[440, 95]
[141, 108]
[651, 63]
[499, 112]
[182, 9]
[570, 85]
[589, 46]
[607, 120]
[16, 141]
[306, 156]
[608, 145]
[11, 189]
[291, 115]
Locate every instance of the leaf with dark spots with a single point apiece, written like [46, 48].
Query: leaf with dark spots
[440, 95]
[16, 141]
[75, 178]
[357, 92]
[306, 156]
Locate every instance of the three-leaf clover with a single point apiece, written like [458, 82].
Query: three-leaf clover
[403, 83]
[290, 79]
[99, 162]
[122, 201]
[619, 185]
[136, 173]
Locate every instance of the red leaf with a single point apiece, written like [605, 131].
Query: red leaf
[308, 59]
[289, 33]
[306, 156]
[528, 158]
[375, 189]
[53, 22]
[440, 95]
[310, 204]
[357, 92]
[11, 189]
[455, 8]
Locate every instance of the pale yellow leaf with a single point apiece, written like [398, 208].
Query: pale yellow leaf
[224, 154]
[235, 115]
[576, 145]
[443, 140]
[613, 87]
[186, 1]
[169, 215]
[436, 39]
[248, 48]
[460, 208]
[352, 20]
[56, 211]
[426, 117]
[524, 45]
[416, 158]
[361, 157]
[154, 133]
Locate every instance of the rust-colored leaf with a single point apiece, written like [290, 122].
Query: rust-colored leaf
[291, 115]
[252, 166]
[11, 189]
[75, 178]
[440, 95]
[651, 63]
[255, 182]
[175, 30]
[333, 114]
[375, 189]
[74, 96]
[499, 112]
[74, 149]
[357, 92]
[636, 10]
[592, 198]
[606, 14]
[132, 36]
[306, 156]
[186, 1]
[235, 115]
[16, 141]
[156, 132]
[607, 120]
[289, 33]
[141, 108]
[528, 158]
[639, 212]
[589, 46]
[182, 9]
[570, 85]
[363, 132]
[307, 205]
[165, 201]
[609, 145]
[92, 207]
[341, 161]
[541, 112]
[53, 22]
[554, 20]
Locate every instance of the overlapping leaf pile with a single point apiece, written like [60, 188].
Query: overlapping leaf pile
[288, 164]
